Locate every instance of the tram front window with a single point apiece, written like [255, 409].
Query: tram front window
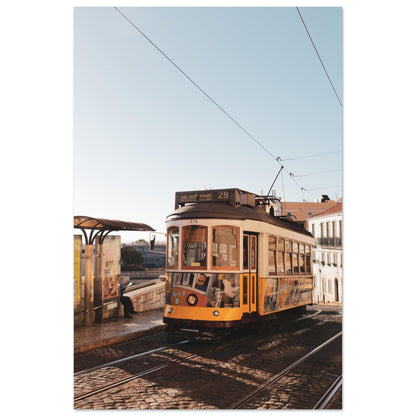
[225, 247]
[194, 246]
[218, 290]
[225, 292]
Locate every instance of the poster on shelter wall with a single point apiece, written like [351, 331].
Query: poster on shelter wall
[77, 271]
[110, 266]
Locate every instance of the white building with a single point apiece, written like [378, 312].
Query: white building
[326, 227]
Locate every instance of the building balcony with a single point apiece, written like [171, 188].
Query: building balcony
[329, 242]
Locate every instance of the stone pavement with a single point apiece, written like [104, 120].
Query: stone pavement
[117, 330]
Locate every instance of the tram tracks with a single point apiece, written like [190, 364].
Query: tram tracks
[188, 365]
[131, 357]
[118, 383]
[329, 394]
[124, 380]
[322, 402]
[192, 338]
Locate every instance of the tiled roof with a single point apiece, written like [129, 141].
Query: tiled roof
[333, 210]
[304, 210]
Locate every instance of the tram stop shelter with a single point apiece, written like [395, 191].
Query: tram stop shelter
[95, 230]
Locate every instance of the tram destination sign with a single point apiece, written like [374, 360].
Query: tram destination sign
[231, 196]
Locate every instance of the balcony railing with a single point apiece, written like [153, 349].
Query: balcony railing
[332, 242]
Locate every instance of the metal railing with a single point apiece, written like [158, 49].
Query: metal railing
[333, 242]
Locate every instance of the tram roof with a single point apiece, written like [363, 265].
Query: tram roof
[209, 210]
[89, 223]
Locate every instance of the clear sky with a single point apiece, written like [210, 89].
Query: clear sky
[143, 131]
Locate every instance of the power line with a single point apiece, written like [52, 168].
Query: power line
[196, 85]
[278, 159]
[308, 156]
[316, 173]
[323, 187]
[316, 50]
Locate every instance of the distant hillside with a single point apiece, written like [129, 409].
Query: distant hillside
[151, 260]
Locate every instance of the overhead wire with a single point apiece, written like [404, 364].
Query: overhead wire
[196, 85]
[316, 173]
[277, 159]
[323, 187]
[316, 50]
[308, 156]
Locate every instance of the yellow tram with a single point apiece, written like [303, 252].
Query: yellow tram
[230, 261]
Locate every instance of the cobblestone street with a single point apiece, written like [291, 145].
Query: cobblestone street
[199, 375]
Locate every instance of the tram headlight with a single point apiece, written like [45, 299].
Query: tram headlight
[192, 300]
[216, 313]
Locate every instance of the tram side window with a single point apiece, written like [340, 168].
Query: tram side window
[302, 258]
[225, 247]
[288, 257]
[183, 279]
[245, 252]
[295, 258]
[173, 248]
[288, 263]
[272, 256]
[194, 244]
[253, 252]
[280, 258]
[308, 259]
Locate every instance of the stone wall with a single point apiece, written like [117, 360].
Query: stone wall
[147, 298]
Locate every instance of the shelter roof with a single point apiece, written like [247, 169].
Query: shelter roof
[90, 223]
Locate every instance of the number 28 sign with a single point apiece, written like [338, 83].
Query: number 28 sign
[222, 195]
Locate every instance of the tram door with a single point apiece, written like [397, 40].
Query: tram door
[249, 277]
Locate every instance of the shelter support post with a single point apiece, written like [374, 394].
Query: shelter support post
[89, 283]
[98, 284]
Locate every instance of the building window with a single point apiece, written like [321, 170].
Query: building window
[329, 286]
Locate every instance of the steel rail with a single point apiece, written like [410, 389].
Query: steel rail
[118, 383]
[309, 316]
[278, 376]
[125, 380]
[329, 394]
[131, 357]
